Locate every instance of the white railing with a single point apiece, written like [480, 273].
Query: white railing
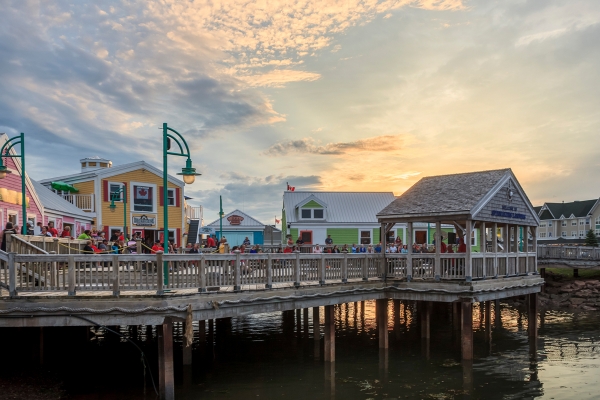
[84, 202]
[193, 212]
[568, 252]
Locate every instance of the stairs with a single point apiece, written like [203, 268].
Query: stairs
[193, 231]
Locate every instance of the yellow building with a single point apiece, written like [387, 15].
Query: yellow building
[143, 184]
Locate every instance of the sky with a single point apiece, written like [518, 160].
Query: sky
[328, 95]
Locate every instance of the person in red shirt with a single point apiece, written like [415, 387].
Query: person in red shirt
[157, 247]
[288, 249]
[210, 242]
[52, 229]
[462, 247]
[443, 247]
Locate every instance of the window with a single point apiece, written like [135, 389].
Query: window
[306, 237]
[574, 223]
[574, 233]
[581, 233]
[91, 164]
[542, 224]
[587, 221]
[581, 222]
[115, 191]
[563, 234]
[143, 198]
[171, 197]
[549, 223]
[314, 213]
[365, 237]
[13, 217]
[103, 164]
[542, 234]
[564, 223]
[597, 232]
[598, 220]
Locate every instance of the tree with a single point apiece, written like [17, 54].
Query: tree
[591, 239]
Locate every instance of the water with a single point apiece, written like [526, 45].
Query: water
[269, 356]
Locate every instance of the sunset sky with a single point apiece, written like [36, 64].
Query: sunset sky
[334, 95]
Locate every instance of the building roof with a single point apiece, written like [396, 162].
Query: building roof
[53, 202]
[107, 172]
[342, 207]
[579, 209]
[466, 194]
[247, 221]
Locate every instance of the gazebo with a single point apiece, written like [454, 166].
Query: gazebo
[488, 207]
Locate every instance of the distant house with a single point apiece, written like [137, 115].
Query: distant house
[568, 223]
[237, 226]
[349, 217]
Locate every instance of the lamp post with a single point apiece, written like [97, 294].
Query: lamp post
[189, 176]
[115, 196]
[4, 152]
[220, 218]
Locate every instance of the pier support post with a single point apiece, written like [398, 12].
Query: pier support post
[316, 325]
[382, 322]
[187, 350]
[329, 334]
[467, 330]
[202, 335]
[305, 317]
[299, 322]
[425, 320]
[456, 316]
[166, 376]
[532, 322]
[488, 321]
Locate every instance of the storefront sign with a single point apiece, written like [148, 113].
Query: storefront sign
[143, 220]
[206, 230]
[235, 219]
[508, 212]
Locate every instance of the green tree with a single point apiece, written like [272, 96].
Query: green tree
[591, 239]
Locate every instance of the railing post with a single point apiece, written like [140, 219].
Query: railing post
[483, 248]
[409, 238]
[202, 288]
[495, 248]
[237, 285]
[138, 245]
[269, 283]
[365, 268]
[159, 273]
[53, 279]
[322, 270]
[12, 274]
[437, 267]
[345, 268]
[71, 276]
[468, 259]
[56, 246]
[9, 243]
[297, 270]
[115, 282]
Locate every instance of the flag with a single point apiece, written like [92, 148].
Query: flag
[277, 220]
[290, 188]
[142, 193]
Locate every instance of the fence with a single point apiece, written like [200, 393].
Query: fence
[568, 252]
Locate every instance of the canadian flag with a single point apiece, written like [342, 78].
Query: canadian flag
[277, 221]
[290, 188]
[142, 193]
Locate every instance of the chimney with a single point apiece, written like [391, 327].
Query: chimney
[94, 163]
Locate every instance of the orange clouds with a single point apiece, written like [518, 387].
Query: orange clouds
[385, 143]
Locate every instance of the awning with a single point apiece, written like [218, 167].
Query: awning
[65, 187]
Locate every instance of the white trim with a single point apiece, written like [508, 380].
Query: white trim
[121, 186]
[13, 212]
[156, 196]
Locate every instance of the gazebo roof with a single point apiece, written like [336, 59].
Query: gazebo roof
[481, 195]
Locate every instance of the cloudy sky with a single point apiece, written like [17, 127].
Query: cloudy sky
[356, 95]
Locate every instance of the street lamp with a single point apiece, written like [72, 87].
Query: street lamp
[4, 152]
[114, 196]
[189, 176]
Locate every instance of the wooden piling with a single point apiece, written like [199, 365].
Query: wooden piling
[316, 325]
[467, 331]
[166, 376]
[488, 321]
[329, 334]
[426, 320]
[382, 322]
[532, 322]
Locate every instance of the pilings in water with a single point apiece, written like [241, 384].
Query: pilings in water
[532, 309]
[329, 334]
[166, 378]
[467, 330]
[381, 310]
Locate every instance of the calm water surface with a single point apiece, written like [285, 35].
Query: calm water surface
[270, 356]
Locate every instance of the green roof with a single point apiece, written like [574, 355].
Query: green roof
[579, 209]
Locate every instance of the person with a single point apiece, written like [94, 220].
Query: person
[254, 250]
[398, 241]
[38, 229]
[290, 242]
[157, 247]
[288, 249]
[223, 245]
[317, 249]
[103, 246]
[87, 249]
[353, 248]
[299, 241]
[404, 250]
[443, 247]
[45, 232]
[329, 240]
[362, 249]
[8, 229]
[66, 233]
[17, 228]
[85, 235]
[210, 242]
[195, 249]
[450, 250]
[462, 247]
[344, 248]
[115, 236]
[335, 249]
[393, 248]
[370, 248]
[246, 242]
[116, 247]
[132, 247]
[29, 229]
[378, 248]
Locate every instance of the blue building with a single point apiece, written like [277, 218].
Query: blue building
[238, 225]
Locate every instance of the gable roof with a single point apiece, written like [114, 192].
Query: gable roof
[108, 172]
[464, 194]
[310, 198]
[53, 202]
[342, 207]
[247, 221]
[574, 209]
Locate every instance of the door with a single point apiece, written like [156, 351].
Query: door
[421, 237]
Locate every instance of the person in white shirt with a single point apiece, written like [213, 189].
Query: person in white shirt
[393, 249]
[317, 249]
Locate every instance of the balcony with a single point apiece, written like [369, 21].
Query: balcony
[193, 212]
[84, 202]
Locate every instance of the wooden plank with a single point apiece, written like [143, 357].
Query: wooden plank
[166, 376]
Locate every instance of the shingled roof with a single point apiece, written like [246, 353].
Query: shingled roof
[579, 209]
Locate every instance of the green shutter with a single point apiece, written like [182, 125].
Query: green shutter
[312, 204]
[283, 226]
[294, 233]
[376, 237]
[344, 235]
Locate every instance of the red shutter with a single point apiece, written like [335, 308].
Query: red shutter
[161, 196]
[177, 199]
[178, 238]
[106, 232]
[105, 190]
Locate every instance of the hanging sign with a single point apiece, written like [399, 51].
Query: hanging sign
[144, 220]
[235, 219]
